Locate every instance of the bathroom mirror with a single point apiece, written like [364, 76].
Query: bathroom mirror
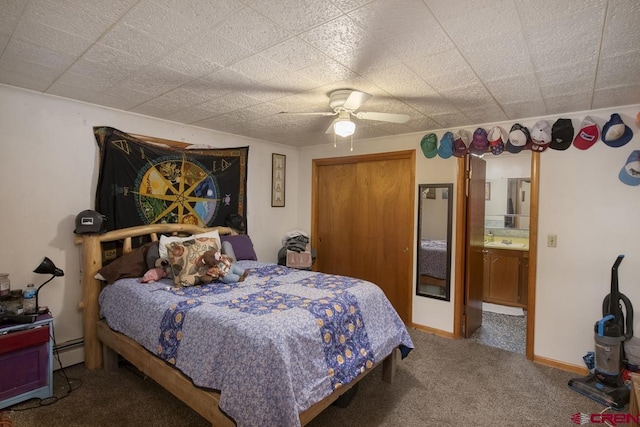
[435, 205]
[507, 203]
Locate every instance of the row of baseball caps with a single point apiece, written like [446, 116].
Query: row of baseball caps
[560, 136]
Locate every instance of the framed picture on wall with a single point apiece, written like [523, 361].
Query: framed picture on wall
[278, 179]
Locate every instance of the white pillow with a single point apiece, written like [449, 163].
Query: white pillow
[166, 240]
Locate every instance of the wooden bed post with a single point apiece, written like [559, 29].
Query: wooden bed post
[92, 262]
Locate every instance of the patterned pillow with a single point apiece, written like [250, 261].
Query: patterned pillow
[184, 256]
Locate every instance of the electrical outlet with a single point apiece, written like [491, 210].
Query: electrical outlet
[552, 240]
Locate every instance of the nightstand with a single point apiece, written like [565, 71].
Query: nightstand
[26, 361]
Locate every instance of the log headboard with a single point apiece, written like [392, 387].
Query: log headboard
[92, 262]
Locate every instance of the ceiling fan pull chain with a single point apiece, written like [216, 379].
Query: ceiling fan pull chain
[351, 143]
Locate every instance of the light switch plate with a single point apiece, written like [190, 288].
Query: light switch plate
[552, 240]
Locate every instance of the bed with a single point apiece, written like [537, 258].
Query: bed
[275, 349]
[433, 258]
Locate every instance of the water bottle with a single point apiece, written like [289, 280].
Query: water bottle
[29, 300]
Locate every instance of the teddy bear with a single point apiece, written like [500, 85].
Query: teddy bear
[220, 267]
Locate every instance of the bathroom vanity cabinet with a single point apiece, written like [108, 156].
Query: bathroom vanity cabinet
[505, 276]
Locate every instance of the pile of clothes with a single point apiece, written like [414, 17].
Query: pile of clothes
[296, 250]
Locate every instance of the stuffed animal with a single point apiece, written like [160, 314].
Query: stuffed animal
[158, 272]
[220, 267]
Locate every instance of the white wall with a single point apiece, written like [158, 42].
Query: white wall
[582, 201]
[49, 169]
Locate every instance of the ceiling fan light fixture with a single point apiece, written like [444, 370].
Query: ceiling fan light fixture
[344, 127]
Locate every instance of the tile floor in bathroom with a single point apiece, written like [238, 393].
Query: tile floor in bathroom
[505, 331]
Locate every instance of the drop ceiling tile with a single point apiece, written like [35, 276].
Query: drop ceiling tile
[444, 69]
[159, 106]
[294, 54]
[337, 37]
[187, 63]
[183, 97]
[523, 109]
[296, 15]
[580, 40]
[515, 89]
[113, 59]
[451, 120]
[508, 56]
[259, 67]
[208, 12]
[422, 123]
[94, 71]
[154, 80]
[217, 49]
[4, 40]
[250, 29]
[622, 95]
[470, 21]
[326, 72]
[529, 11]
[385, 19]
[110, 11]
[21, 50]
[191, 115]
[349, 5]
[65, 17]
[130, 40]
[405, 80]
[622, 70]
[54, 39]
[80, 81]
[573, 102]
[567, 80]
[20, 79]
[75, 92]
[162, 24]
[486, 114]
[418, 42]
[11, 11]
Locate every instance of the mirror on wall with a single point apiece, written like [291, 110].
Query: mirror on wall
[435, 205]
[507, 203]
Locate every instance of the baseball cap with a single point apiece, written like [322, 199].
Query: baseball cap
[461, 143]
[615, 133]
[561, 134]
[630, 173]
[446, 145]
[587, 135]
[479, 143]
[540, 136]
[518, 138]
[496, 143]
[429, 145]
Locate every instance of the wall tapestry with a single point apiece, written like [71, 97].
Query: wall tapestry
[143, 182]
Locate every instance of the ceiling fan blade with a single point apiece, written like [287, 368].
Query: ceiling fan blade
[383, 117]
[319, 113]
[356, 100]
[330, 128]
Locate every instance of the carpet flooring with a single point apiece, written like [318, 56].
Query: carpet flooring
[443, 382]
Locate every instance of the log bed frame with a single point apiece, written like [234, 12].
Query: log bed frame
[103, 345]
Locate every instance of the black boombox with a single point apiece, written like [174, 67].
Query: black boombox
[90, 222]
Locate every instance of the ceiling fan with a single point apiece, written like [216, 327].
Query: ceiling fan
[344, 103]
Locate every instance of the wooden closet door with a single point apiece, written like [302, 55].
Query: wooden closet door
[363, 221]
[336, 214]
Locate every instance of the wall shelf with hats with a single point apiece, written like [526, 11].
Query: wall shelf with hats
[543, 135]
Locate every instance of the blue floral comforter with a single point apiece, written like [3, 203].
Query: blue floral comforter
[273, 345]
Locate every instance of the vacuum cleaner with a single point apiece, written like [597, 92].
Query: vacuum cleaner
[606, 385]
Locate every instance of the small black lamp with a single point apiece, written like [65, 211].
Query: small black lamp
[46, 266]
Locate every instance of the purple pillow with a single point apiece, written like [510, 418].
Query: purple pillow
[242, 246]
